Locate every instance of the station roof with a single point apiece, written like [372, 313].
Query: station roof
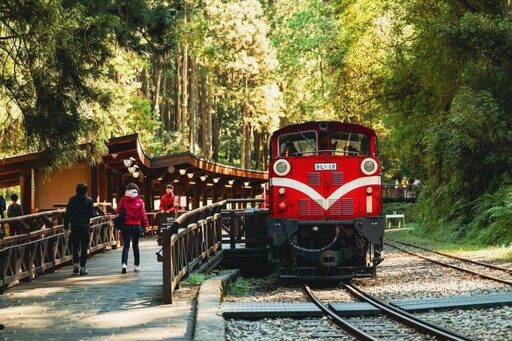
[165, 168]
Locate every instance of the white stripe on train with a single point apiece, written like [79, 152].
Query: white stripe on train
[335, 196]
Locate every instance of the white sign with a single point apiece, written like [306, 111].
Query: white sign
[325, 166]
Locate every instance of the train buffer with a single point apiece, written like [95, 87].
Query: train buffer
[395, 220]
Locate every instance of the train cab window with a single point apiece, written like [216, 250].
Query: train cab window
[323, 141]
[289, 149]
[298, 144]
[349, 143]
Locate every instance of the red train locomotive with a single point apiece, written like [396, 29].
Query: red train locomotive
[325, 201]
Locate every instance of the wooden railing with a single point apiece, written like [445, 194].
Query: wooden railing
[244, 228]
[193, 242]
[391, 193]
[46, 245]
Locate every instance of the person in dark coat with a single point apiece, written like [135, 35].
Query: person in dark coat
[79, 212]
[3, 206]
[15, 210]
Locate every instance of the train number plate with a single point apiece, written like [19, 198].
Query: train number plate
[325, 166]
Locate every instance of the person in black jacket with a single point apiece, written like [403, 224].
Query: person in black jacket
[79, 213]
[15, 210]
[3, 206]
[2, 210]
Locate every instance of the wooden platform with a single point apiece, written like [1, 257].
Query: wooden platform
[102, 305]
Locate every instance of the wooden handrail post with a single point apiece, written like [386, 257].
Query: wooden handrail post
[167, 266]
[3, 259]
[232, 230]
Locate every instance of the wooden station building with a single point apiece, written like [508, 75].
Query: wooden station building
[198, 180]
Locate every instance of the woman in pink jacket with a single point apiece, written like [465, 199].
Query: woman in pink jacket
[135, 217]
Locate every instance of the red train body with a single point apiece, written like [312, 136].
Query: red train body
[325, 201]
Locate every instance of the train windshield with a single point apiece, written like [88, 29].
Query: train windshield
[349, 143]
[297, 144]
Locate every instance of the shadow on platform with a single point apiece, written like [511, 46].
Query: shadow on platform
[104, 305]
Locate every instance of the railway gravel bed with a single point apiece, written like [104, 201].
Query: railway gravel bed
[400, 277]
[311, 329]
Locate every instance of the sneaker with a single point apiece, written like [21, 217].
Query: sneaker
[123, 271]
[136, 268]
[83, 271]
[75, 268]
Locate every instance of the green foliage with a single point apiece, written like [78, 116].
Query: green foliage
[142, 120]
[492, 216]
[451, 85]
[47, 78]
[199, 278]
[432, 77]
[55, 66]
[303, 37]
[241, 287]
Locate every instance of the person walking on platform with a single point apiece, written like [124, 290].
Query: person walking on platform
[15, 210]
[3, 206]
[2, 210]
[79, 212]
[135, 217]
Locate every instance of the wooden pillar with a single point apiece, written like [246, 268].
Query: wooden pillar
[233, 194]
[94, 185]
[119, 187]
[109, 186]
[215, 194]
[204, 193]
[148, 203]
[27, 187]
[197, 194]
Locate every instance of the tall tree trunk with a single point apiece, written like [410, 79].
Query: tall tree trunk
[206, 117]
[244, 153]
[193, 108]
[185, 143]
[248, 143]
[265, 155]
[216, 126]
[157, 77]
[163, 104]
[145, 84]
[178, 115]
[257, 150]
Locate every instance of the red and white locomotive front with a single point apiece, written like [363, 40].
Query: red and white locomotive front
[325, 200]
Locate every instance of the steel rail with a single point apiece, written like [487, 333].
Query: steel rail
[500, 280]
[347, 327]
[491, 266]
[406, 318]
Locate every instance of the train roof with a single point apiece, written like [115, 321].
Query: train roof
[337, 124]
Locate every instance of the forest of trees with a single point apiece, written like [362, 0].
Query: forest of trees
[216, 77]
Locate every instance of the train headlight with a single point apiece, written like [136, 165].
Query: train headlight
[369, 190]
[281, 191]
[369, 166]
[282, 167]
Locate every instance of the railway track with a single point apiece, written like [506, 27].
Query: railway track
[372, 329]
[482, 270]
